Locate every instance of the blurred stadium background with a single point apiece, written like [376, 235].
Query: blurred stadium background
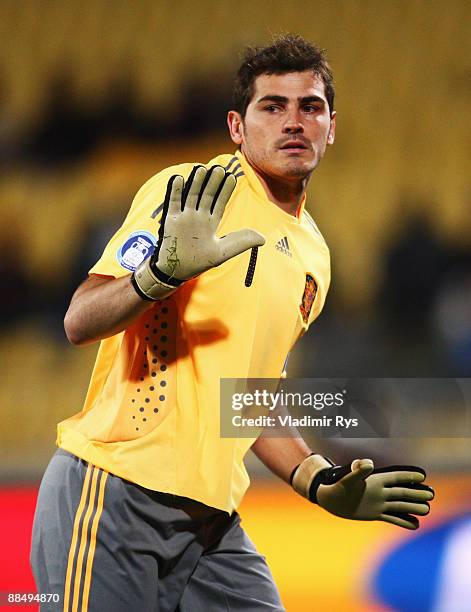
[97, 96]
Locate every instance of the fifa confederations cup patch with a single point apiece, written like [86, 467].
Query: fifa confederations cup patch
[309, 295]
[137, 247]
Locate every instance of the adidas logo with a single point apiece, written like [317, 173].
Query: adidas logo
[283, 246]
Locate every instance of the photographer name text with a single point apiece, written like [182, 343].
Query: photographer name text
[287, 420]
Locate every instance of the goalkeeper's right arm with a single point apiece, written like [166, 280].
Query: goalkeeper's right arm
[187, 246]
[101, 307]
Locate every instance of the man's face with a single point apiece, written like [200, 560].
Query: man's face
[287, 125]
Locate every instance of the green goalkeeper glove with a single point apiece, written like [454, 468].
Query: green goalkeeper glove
[393, 494]
[188, 244]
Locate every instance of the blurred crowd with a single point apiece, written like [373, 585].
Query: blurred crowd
[416, 323]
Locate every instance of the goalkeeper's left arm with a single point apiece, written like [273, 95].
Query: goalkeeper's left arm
[395, 494]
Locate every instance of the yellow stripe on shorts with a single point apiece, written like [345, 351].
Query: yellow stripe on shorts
[90, 502]
[91, 552]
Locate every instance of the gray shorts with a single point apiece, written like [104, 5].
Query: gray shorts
[102, 543]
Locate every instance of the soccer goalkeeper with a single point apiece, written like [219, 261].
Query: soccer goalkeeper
[215, 273]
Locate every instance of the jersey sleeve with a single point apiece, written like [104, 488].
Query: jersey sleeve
[136, 238]
[317, 284]
[321, 288]
[284, 372]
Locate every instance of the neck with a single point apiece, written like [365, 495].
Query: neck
[287, 194]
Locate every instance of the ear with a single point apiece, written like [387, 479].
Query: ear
[236, 127]
[331, 135]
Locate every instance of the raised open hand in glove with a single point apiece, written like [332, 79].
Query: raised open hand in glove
[188, 244]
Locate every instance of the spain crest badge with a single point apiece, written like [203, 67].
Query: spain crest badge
[309, 295]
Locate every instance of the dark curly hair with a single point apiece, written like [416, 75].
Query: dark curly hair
[287, 53]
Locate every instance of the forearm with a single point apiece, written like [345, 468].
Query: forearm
[281, 455]
[102, 307]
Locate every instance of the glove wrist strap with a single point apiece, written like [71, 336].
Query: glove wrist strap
[171, 281]
[308, 473]
[148, 285]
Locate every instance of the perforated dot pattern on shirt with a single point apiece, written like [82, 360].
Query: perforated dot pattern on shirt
[152, 367]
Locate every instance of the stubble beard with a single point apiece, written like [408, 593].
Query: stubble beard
[297, 169]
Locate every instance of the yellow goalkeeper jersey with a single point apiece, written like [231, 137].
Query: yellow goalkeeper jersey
[151, 415]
